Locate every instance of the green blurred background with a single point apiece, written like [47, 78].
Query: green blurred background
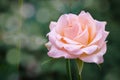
[23, 29]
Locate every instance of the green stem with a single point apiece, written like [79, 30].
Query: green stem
[68, 67]
[80, 77]
[20, 3]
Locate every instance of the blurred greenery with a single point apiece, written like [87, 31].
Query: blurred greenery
[23, 30]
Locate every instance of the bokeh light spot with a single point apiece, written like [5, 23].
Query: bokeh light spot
[27, 10]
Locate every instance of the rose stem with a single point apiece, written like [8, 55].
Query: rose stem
[68, 68]
[20, 3]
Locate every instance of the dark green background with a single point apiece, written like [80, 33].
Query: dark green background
[31, 62]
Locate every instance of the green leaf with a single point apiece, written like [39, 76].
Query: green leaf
[47, 61]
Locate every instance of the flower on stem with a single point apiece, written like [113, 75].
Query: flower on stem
[77, 37]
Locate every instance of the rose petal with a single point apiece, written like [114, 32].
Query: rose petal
[92, 31]
[83, 37]
[69, 41]
[96, 57]
[86, 15]
[100, 25]
[57, 53]
[63, 21]
[68, 47]
[100, 35]
[90, 49]
[71, 32]
[97, 38]
[55, 40]
[72, 48]
[71, 19]
[52, 25]
[78, 52]
[102, 40]
[52, 37]
[87, 50]
[86, 19]
[61, 24]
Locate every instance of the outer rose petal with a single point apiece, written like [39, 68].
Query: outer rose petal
[52, 25]
[102, 40]
[61, 24]
[96, 57]
[100, 25]
[90, 49]
[68, 47]
[72, 18]
[62, 21]
[57, 53]
[100, 35]
[52, 37]
[97, 38]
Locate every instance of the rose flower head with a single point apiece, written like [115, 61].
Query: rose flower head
[77, 37]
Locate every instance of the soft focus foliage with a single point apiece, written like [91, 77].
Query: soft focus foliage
[23, 30]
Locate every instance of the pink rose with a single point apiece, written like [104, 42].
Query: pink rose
[77, 36]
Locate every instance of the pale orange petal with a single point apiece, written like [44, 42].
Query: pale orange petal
[83, 37]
